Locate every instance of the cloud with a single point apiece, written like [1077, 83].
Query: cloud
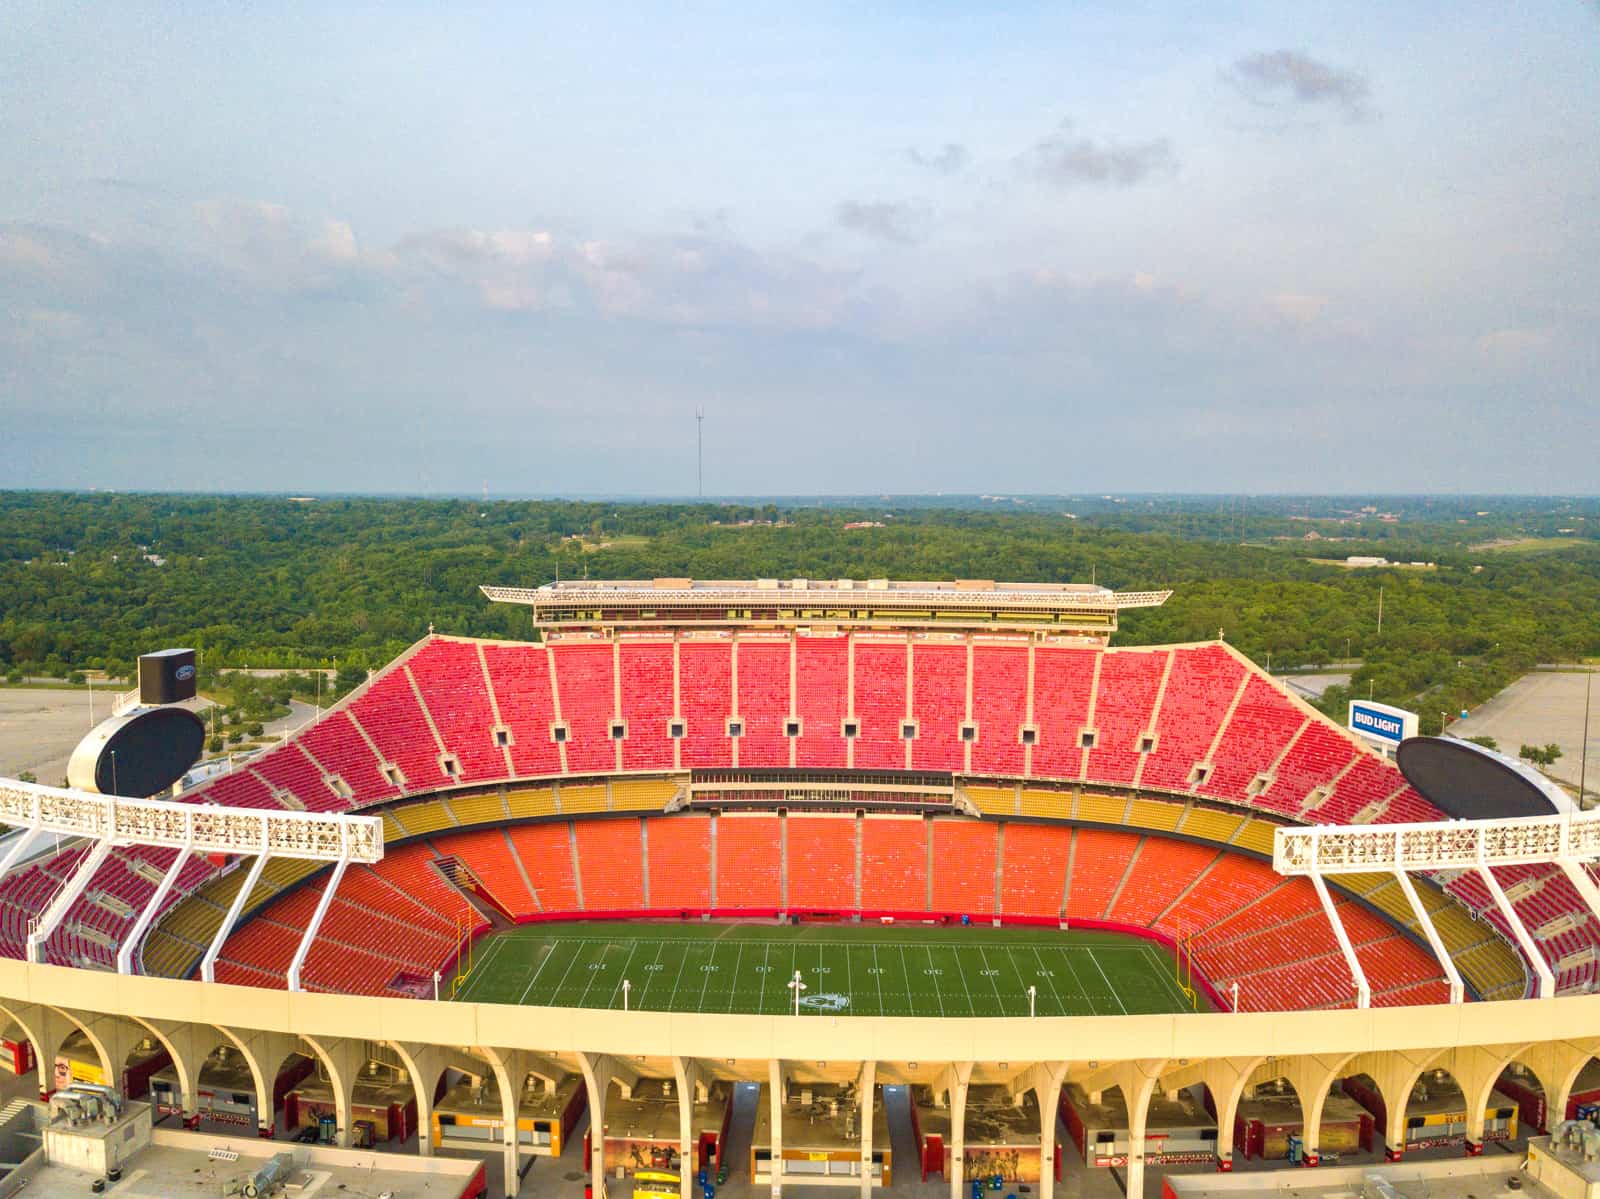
[886, 222]
[949, 159]
[1067, 159]
[1285, 78]
[1508, 346]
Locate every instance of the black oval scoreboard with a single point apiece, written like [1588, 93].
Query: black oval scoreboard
[139, 753]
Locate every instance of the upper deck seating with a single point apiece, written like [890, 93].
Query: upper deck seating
[1063, 683]
[389, 713]
[1200, 687]
[1262, 725]
[938, 704]
[520, 676]
[880, 703]
[586, 690]
[763, 668]
[999, 706]
[450, 678]
[705, 684]
[646, 704]
[345, 754]
[1123, 706]
[822, 689]
[1315, 759]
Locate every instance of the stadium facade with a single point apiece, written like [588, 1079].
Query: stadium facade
[969, 753]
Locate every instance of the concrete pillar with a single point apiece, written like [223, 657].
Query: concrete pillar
[1396, 1072]
[868, 1080]
[509, 1071]
[1477, 1068]
[264, 1053]
[189, 1045]
[686, 1075]
[343, 1058]
[1557, 1065]
[1137, 1081]
[424, 1064]
[1226, 1079]
[775, 1113]
[1046, 1081]
[957, 1078]
[597, 1073]
[1311, 1076]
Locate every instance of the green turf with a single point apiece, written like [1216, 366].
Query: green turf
[864, 970]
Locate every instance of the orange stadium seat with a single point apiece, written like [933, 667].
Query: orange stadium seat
[680, 861]
[965, 866]
[610, 864]
[748, 863]
[1033, 874]
[821, 863]
[546, 853]
[487, 853]
[1099, 863]
[1163, 870]
[894, 864]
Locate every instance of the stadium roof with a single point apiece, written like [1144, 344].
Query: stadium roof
[959, 604]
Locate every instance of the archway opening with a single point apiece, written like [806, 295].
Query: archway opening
[1524, 1088]
[1270, 1123]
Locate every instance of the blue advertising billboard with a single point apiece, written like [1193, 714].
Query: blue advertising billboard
[1381, 724]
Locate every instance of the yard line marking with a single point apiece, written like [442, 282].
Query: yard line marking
[766, 954]
[563, 980]
[1050, 980]
[733, 983]
[605, 952]
[631, 950]
[905, 969]
[937, 989]
[494, 952]
[1159, 965]
[849, 976]
[1078, 982]
[1093, 957]
[543, 962]
[707, 969]
[972, 1008]
[650, 975]
[994, 980]
[672, 1000]
[879, 977]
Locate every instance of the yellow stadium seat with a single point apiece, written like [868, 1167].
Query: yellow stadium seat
[1256, 835]
[641, 795]
[1056, 805]
[994, 801]
[1155, 814]
[1211, 824]
[583, 798]
[1103, 809]
[473, 810]
[526, 804]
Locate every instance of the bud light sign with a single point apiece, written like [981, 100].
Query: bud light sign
[1381, 724]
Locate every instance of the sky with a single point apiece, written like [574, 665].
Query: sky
[902, 247]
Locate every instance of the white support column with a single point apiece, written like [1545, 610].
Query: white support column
[597, 1074]
[208, 964]
[686, 1076]
[131, 941]
[1582, 882]
[65, 898]
[26, 838]
[1047, 1080]
[1457, 989]
[864, 1109]
[1363, 991]
[775, 1112]
[1547, 981]
[299, 959]
[959, 1076]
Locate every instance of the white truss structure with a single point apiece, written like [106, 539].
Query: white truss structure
[109, 822]
[1569, 841]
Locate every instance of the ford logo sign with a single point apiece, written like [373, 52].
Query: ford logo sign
[183, 674]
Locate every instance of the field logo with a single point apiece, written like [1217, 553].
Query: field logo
[826, 1001]
[1380, 723]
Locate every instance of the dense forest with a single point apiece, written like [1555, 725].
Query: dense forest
[1486, 589]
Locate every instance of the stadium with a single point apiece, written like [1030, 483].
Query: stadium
[903, 864]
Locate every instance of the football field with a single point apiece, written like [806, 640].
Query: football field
[862, 970]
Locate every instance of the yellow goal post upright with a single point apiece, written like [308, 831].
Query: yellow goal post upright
[466, 951]
[1183, 965]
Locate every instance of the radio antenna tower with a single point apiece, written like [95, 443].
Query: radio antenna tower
[699, 451]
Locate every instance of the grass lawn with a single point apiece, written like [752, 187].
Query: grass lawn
[852, 969]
